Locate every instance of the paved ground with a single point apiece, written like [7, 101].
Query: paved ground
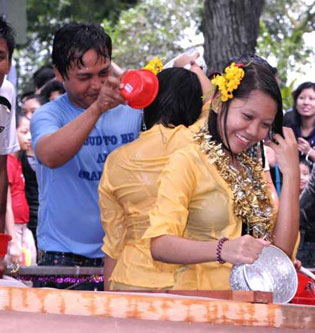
[22, 322]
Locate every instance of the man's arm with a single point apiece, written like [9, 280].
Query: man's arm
[53, 150]
[3, 191]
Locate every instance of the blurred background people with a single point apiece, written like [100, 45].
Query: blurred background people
[306, 252]
[42, 76]
[52, 90]
[30, 103]
[22, 248]
[305, 173]
[302, 119]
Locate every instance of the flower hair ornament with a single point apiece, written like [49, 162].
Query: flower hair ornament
[155, 65]
[229, 80]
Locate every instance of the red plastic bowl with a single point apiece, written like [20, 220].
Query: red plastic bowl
[4, 240]
[140, 88]
[305, 294]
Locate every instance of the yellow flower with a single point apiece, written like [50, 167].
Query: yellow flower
[228, 81]
[155, 65]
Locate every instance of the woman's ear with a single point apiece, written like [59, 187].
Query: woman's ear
[216, 103]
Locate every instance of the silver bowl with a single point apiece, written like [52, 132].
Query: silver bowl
[273, 271]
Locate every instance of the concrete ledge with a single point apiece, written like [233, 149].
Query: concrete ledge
[162, 307]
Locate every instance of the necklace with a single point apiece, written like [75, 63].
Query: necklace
[251, 202]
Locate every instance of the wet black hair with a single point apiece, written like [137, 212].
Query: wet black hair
[295, 95]
[259, 75]
[179, 100]
[73, 40]
[8, 34]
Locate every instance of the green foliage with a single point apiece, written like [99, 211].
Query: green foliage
[146, 28]
[44, 17]
[152, 28]
[282, 28]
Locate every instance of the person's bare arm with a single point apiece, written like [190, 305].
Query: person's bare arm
[9, 217]
[109, 265]
[286, 229]
[53, 150]
[3, 191]
[178, 250]
[14, 249]
[204, 81]
[272, 189]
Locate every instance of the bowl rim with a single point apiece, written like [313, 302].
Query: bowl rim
[283, 254]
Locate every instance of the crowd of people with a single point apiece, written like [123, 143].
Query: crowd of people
[168, 197]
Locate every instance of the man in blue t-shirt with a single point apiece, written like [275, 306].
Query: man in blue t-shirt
[72, 137]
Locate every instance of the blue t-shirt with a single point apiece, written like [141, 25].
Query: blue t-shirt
[68, 216]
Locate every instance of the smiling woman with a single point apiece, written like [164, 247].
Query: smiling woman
[220, 206]
[249, 121]
[302, 119]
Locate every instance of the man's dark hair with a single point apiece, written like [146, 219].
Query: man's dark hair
[8, 34]
[73, 40]
[43, 75]
[179, 100]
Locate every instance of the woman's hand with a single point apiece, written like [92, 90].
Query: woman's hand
[297, 264]
[286, 150]
[186, 59]
[243, 250]
[303, 146]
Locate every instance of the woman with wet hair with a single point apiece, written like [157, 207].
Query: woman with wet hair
[128, 187]
[214, 207]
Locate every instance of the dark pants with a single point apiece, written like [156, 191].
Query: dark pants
[73, 283]
[306, 254]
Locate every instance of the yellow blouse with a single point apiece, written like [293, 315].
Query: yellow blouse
[127, 192]
[195, 202]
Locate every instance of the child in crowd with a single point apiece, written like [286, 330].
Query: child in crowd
[22, 248]
[305, 173]
[31, 103]
[27, 157]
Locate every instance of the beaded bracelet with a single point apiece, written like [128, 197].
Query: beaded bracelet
[219, 249]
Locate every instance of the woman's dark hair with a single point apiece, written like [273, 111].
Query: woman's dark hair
[179, 100]
[50, 87]
[40, 99]
[19, 118]
[43, 75]
[258, 76]
[295, 94]
[302, 160]
[73, 40]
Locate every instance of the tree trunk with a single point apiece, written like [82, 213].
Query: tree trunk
[231, 29]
